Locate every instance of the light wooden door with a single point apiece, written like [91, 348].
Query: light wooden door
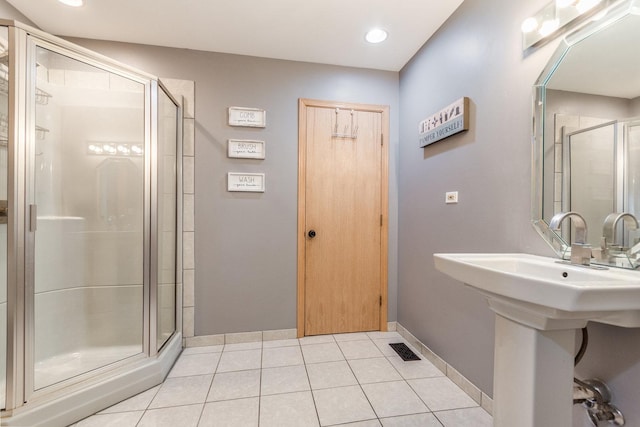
[342, 218]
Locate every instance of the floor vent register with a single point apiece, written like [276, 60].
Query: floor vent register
[404, 352]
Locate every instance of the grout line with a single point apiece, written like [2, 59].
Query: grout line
[260, 385]
[313, 397]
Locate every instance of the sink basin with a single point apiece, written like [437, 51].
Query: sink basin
[538, 304]
[545, 294]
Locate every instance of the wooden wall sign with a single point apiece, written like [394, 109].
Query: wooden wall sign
[248, 182]
[247, 117]
[445, 123]
[246, 149]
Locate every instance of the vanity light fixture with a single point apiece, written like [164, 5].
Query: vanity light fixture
[72, 3]
[548, 27]
[114, 149]
[559, 16]
[565, 3]
[528, 25]
[376, 35]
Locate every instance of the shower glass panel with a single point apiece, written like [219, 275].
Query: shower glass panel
[87, 181]
[592, 178]
[4, 136]
[632, 202]
[167, 204]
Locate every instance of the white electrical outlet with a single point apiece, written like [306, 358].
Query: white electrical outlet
[451, 197]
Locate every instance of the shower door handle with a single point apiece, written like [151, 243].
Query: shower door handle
[33, 218]
[4, 211]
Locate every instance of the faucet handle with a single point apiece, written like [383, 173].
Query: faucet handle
[581, 254]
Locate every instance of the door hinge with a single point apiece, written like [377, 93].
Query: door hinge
[381, 139]
[380, 220]
[380, 300]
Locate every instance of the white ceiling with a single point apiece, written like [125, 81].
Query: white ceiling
[320, 31]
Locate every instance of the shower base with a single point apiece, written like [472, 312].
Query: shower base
[62, 367]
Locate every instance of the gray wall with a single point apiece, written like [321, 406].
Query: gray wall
[478, 54]
[246, 243]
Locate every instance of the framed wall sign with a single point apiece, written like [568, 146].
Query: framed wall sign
[449, 121]
[246, 149]
[247, 182]
[247, 117]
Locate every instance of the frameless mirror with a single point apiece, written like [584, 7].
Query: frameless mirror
[587, 137]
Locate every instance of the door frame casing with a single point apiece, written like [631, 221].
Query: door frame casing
[303, 103]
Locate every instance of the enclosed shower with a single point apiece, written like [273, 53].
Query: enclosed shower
[90, 246]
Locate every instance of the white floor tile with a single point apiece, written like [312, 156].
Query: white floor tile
[330, 375]
[374, 370]
[318, 353]
[231, 413]
[472, 417]
[317, 339]
[241, 360]
[356, 336]
[281, 356]
[285, 379]
[347, 380]
[123, 419]
[342, 405]
[393, 399]
[182, 391]
[368, 423]
[359, 349]
[139, 402]
[414, 369]
[288, 410]
[235, 385]
[391, 335]
[255, 345]
[195, 364]
[183, 416]
[417, 420]
[204, 349]
[281, 343]
[441, 394]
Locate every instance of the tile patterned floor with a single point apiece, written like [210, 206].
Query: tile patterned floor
[353, 380]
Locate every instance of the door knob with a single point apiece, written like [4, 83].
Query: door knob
[311, 234]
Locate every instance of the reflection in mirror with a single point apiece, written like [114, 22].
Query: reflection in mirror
[587, 138]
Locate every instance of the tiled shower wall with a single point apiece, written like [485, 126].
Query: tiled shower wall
[185, 90]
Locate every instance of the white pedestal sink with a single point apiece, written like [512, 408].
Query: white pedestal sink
[539, 303]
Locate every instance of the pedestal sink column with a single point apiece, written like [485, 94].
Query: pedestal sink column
[533, 376]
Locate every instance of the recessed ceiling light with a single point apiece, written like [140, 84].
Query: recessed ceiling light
[73, 3]
[376, 35]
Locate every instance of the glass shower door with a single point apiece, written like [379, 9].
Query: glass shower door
[167, 216]
[87, 190]
[4, 138]
[591, 175]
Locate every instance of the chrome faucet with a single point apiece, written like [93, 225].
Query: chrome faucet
[609, 231]
[609, 227]
[580, 249]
